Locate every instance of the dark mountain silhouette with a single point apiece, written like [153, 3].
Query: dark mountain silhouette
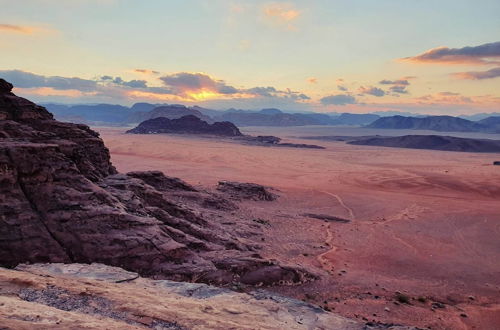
[168, 111]
[185, 125]
[432, 142]
[433, 123]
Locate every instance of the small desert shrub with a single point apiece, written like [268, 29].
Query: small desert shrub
[402, 298]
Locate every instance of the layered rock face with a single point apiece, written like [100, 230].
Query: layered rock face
[61, 200]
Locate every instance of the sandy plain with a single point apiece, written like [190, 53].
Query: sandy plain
[422, 246]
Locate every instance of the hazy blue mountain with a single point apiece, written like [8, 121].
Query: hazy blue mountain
[433, 123]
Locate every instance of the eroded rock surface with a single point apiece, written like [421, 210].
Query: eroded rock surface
[96, 296]
[61, 200]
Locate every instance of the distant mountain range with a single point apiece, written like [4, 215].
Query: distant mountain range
[438, 123]
[120, 115]
[109, 114]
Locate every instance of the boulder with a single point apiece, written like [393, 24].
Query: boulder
[252, 191]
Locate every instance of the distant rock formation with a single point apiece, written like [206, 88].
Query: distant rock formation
[246, 191]
[185, 125]
[168, 111]
[433, 123]
[432, 142]
[61, 200]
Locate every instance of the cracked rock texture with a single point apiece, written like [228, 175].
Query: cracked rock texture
[75, 296]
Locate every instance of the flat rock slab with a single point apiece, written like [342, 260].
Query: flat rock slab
[93, 271]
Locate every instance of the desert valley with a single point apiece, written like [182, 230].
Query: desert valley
[409, 229]
[230, 164]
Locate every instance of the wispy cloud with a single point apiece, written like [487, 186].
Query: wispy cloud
[402, 82]
[375, 91]
[478, 75]
[339, 99]
[398, 86]
[146, 71]
[482, 54]
[11, 28]
[282, 14]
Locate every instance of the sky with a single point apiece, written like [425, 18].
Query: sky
[432, 57]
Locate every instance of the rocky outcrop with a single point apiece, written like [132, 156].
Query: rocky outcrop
[185, 125]
[95, 296]
[249, 191]
[61, 200]
[432, 142]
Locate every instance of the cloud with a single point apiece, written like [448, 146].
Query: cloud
[478, 75]
[312, 80]
[399, 89]
[342, 88]
[191, 84]
[107, 87]
[483, 54]
[23, 79]
[273, 92]
[445, 98]
[177, 87]
[146, 71]
[339, 99]
[10, 28]
[281, 14]
[371, 91]
[400, 82]
[119, 81]
[398, 85]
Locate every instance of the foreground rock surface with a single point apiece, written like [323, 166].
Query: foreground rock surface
[61, 200]
[96, 296]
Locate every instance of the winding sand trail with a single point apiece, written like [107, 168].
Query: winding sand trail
[324, 258]
[341, 202]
